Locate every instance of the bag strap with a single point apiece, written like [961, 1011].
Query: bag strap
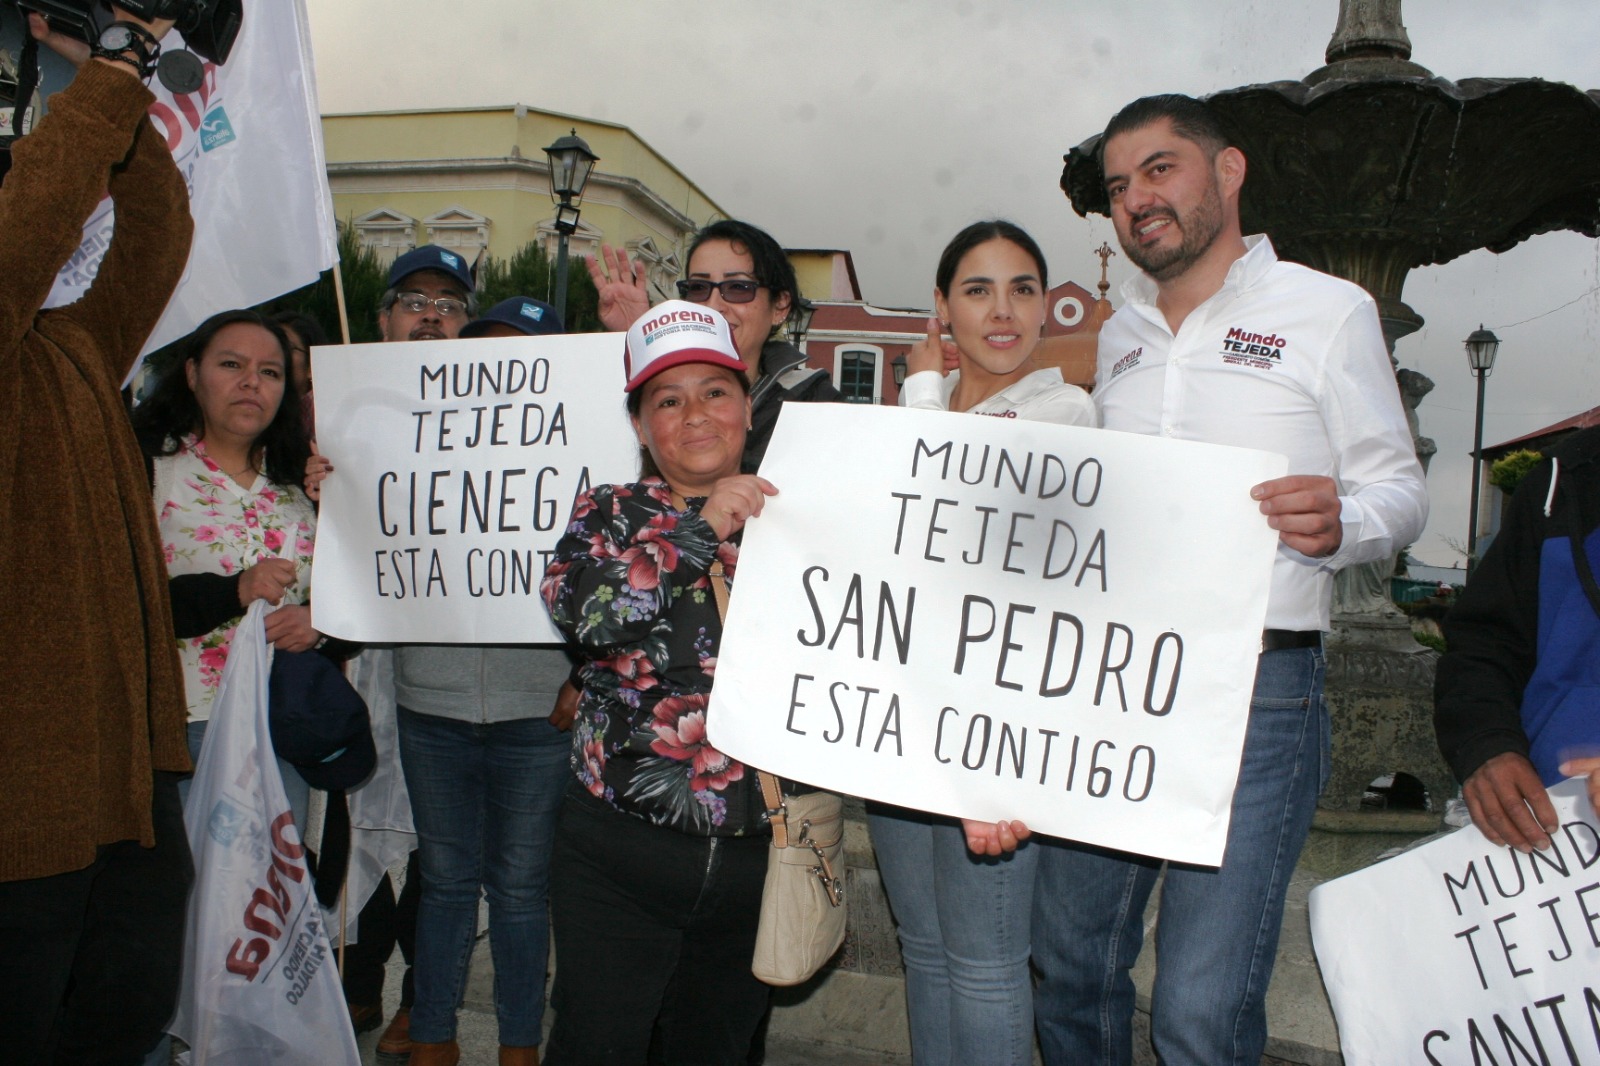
[771, 792]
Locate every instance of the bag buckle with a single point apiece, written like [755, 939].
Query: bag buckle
[831, 885]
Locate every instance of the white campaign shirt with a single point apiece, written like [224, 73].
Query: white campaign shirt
[1042, 396]
[1286, 359]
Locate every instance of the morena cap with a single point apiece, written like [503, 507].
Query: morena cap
[533, 318]
[431, 257]
[673, 333]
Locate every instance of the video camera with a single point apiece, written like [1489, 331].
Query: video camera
[209, 27]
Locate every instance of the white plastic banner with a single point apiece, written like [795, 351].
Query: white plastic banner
[260, 982]
[1002, 619]
[456, 464]
[249, 144]
[1464, 952]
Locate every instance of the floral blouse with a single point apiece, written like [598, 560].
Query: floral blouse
[630, 583]
[211, 525]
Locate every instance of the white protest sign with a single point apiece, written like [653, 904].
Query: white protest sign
[1002, 619]
[1461, 951]
[455, 467]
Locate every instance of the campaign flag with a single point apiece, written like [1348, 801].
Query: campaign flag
[995, 618]
[260, 981]
[1463, 951]
[249, 145]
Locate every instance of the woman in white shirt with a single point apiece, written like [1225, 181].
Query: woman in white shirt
[962, 892]
[227, 447]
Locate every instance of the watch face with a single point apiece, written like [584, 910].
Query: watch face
[116, 38]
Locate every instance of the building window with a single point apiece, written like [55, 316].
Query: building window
[856, 374]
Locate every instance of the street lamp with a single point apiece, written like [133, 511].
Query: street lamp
[800, 319]
[1482, 346]
[570, 164]
[897, 367]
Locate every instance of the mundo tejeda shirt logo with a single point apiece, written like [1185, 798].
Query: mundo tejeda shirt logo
[1262, 351]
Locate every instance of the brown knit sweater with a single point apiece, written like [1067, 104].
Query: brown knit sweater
[91, 698]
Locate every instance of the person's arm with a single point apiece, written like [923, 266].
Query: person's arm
[202, 602]
[58, 175]
[1491, 638]
[1379, 502]
[148, 252]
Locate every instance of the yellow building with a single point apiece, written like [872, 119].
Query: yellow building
[477, 178]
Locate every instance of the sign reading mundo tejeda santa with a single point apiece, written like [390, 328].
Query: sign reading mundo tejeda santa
[1464, 952]
[456, 464]
[996, 619]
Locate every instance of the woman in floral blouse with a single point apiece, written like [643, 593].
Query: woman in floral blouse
[661, 850]
[227, 447]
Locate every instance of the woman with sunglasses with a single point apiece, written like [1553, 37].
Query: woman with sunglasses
[742, 273]
[962, 891]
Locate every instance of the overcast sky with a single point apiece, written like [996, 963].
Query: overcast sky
[883, 126]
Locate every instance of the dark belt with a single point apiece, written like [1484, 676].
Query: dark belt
[1282, 639]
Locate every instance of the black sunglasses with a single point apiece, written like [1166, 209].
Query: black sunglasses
[734, 290]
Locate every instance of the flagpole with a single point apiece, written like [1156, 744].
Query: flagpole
[338, 298]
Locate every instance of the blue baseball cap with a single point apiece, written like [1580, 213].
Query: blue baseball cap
[533, 318]
[431, 257]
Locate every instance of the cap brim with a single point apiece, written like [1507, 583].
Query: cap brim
[680, 357]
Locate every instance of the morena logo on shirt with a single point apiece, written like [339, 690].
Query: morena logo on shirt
[1127, 362]
[1261, 351]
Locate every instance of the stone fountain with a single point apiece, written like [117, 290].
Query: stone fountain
[1367, 168]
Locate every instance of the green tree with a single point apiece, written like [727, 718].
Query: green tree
[364, 282]
[529, 272]
[1507, 472]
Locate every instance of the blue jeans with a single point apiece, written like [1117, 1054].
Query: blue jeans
[485, 799]
[1217, 937]
[963, 923]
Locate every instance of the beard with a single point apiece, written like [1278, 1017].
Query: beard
[1200, 228]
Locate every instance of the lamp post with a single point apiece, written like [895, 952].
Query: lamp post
[800, 319]
[570, 164]
[1482, 346]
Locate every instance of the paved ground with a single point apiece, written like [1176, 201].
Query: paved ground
[786, 1046]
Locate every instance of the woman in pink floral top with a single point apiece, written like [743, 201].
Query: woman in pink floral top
[661, 850]
[227, 446]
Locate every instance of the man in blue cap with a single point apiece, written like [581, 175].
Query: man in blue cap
[430, 296]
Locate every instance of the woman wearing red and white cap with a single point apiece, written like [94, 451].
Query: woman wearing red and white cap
[661, 850]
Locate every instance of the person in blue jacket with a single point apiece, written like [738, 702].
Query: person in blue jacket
[1517, 695]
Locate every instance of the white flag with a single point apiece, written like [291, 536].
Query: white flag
[260, 982]
[249, 145]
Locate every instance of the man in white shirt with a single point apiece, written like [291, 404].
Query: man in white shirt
[1220, 341]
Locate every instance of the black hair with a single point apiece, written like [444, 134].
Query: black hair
[308, 329]
[768, 263]
[981, 233]
[1192, 119]
[647, 463]
[171, 411]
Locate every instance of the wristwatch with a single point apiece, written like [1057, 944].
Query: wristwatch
[129, 43]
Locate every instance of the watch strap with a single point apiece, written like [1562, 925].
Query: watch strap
[142, 49]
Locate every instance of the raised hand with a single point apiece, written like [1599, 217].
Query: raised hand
[620, 283]
[933, 352]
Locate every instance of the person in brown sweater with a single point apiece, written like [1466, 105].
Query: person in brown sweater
[94, 863]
